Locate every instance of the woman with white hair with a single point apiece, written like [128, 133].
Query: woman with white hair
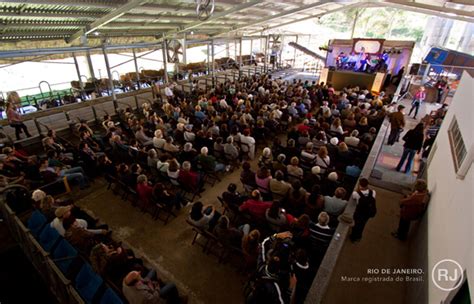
[353, 139]
[152, 158]
[208, 162]
[266, 158]
[158, 140]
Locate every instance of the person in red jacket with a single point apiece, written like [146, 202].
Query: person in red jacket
[255, 206]
[144, 190]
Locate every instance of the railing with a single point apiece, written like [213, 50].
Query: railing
[59, 118]
[328, 264]
[58, 284]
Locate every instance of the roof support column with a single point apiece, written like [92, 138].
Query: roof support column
[78, 71]
[136, 68]
[240, 58]
[265, 66]
[111, 80]
[208, 60]
[185, 60]
[213, 63]
[354, 23]
[294, 54]
[165, 68]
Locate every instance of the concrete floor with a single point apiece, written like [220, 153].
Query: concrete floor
[377, 250]
[168, 247]
[384, 173]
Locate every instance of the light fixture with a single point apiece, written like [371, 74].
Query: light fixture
[96, 33]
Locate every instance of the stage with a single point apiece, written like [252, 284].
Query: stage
[340, 79]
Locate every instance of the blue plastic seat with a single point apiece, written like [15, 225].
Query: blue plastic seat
[87, 283]
[63, 255]
[48, 238]
[110, 297]
[36, 223]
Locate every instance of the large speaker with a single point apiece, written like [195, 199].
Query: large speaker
[415, 68]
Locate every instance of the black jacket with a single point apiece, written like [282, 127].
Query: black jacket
[413, 140]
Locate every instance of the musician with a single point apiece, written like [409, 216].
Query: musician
[352, 60]
[341, 59]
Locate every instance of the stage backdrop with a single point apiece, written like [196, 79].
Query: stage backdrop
[396, 60]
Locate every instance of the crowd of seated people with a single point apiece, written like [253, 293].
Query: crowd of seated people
[298, 190]
[176, 146]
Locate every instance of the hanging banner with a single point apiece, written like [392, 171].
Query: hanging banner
[378, 82]
[324, 75]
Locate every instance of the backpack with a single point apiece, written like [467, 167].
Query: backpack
[255, 289]
[367, 204]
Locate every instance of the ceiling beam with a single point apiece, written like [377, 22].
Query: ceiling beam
[408, 7]
[169, 17]
[434, 8]
[284, 14]
[465, 2]
[232, 10]
[55, 15]
[117, 13]
[73, 3]
[344, 7]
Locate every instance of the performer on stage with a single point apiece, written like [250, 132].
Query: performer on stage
[352, 60]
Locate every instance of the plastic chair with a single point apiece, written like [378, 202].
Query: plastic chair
[110, 297]
[63, 255]
[36, 223]
[88, 283]
[48, 238]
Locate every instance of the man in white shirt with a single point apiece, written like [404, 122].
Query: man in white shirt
[248, 144]
[169, 92]
[366, 209]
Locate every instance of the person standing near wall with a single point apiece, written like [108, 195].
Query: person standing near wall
[397, 122]
[413, 144]
[412, 207]
[419, 98]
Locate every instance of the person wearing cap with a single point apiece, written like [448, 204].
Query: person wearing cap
[148, 290]
[397, 123]
[63, 213]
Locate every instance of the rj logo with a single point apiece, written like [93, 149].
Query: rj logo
[447, 273]
[443, 275]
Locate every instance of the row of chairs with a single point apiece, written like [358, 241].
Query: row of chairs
[90, 286]
[157, 210]
[211, 244]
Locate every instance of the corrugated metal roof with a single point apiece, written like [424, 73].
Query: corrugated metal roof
[48, 17]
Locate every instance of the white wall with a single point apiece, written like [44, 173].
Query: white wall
[451, 212]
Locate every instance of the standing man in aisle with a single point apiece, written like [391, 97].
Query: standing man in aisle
[397, 122]
[365, 210]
